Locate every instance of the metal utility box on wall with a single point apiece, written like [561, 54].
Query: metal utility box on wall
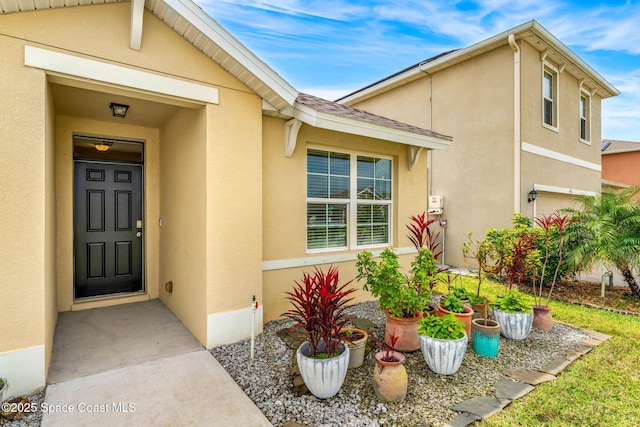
[436, 204]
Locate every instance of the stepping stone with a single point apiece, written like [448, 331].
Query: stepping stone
[463, 420]
[530, 377]
[591, 343]
[597, 335]
[556, 366]
[509, 389]
[483, 407]
[364, 324]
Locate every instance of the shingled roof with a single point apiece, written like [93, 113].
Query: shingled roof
[611, 146]
[340, 110]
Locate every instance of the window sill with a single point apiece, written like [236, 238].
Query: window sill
[584, 141]
[552, 128]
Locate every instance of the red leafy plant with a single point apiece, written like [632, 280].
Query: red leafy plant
[389, 353]
[421, 235]
[319, 304]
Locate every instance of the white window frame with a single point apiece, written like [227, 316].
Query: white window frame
[587, 118]
[352, 203]
[555, 96]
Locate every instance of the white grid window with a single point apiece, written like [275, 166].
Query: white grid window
[349, 201]
[585, 116]
[549, 96]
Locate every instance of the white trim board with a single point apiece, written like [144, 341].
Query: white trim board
[281, 264]
[24, 369]
[232, 326]
[539, 151]
[118, 75]
[562, 190]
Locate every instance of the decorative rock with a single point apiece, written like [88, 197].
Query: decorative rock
[530, 377]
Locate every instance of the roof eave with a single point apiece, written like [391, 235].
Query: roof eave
[332, 122]
[460, 55]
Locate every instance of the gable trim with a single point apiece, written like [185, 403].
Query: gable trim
[539, 151]
[118, 75]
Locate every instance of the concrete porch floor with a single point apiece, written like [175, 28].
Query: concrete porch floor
[137, 364]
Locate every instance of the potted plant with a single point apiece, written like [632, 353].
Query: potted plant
[390, 378]
[479, 251]
[356, 339]
[554, 229]
[513, 313]
[403, 298]
[451, 304]
[485, 334]
[4, 385]
[319, 304]
[443, 341]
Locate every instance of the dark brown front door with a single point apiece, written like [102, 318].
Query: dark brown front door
[107, 214]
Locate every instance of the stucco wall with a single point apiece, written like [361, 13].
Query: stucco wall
[622, 167]
[284, 208]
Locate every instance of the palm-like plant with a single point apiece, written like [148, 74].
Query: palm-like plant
[608, 230]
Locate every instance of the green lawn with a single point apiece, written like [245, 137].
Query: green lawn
[601, 388]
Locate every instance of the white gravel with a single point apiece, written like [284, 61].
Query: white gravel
[268, 379]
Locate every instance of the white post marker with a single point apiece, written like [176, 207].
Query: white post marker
[254, 307]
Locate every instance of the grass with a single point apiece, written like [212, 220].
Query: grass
[601, 388]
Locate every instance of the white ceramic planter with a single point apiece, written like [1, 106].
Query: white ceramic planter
[443, 357]
[323, 377]
[515, 326]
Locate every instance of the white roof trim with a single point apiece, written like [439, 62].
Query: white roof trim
[210, 28]
[118, 75]
[323, 120]
[470, 51]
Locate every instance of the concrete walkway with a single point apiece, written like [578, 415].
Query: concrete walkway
[136, 364]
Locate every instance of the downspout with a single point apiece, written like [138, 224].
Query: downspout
[430, 152]
[516, 123]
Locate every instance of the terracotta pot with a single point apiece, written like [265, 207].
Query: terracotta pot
[390, 379]
[464, 317]
[323, 377]
[443, 357]
[406, 329]
[515, 326]
[429, 310]
[542, 318]
[356, 347]
[480, 311]
[486, 337]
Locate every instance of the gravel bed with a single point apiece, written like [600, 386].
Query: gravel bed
[30, 419]
[268, 379]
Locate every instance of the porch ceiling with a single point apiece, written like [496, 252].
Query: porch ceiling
[93, 104]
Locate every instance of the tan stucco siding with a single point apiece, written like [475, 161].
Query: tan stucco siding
[284, 210]
[566, 139]
[183, 256]
[102, 32]
[234, 202]
[25, 217]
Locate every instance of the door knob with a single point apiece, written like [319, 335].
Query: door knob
[139, 233]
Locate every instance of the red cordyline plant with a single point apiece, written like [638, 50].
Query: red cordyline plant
[547, 223]
[319, 303]
[521, 262]
[388, 350]
[421, 235]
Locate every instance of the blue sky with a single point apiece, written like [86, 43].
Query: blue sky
[330, 48]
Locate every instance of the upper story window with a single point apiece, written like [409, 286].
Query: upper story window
[349, 201]
[550, 97]
[585, 116]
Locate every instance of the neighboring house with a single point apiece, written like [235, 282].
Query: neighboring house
[524, 112]
[220, 182]
[620, 160]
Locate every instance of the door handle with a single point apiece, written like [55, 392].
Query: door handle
[139, 234]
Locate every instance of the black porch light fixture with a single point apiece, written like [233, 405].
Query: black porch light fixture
[532, 195]
[118, 110]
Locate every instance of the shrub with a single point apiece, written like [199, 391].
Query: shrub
[444, 328]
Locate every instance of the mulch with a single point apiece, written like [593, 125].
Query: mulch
[588, 293]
